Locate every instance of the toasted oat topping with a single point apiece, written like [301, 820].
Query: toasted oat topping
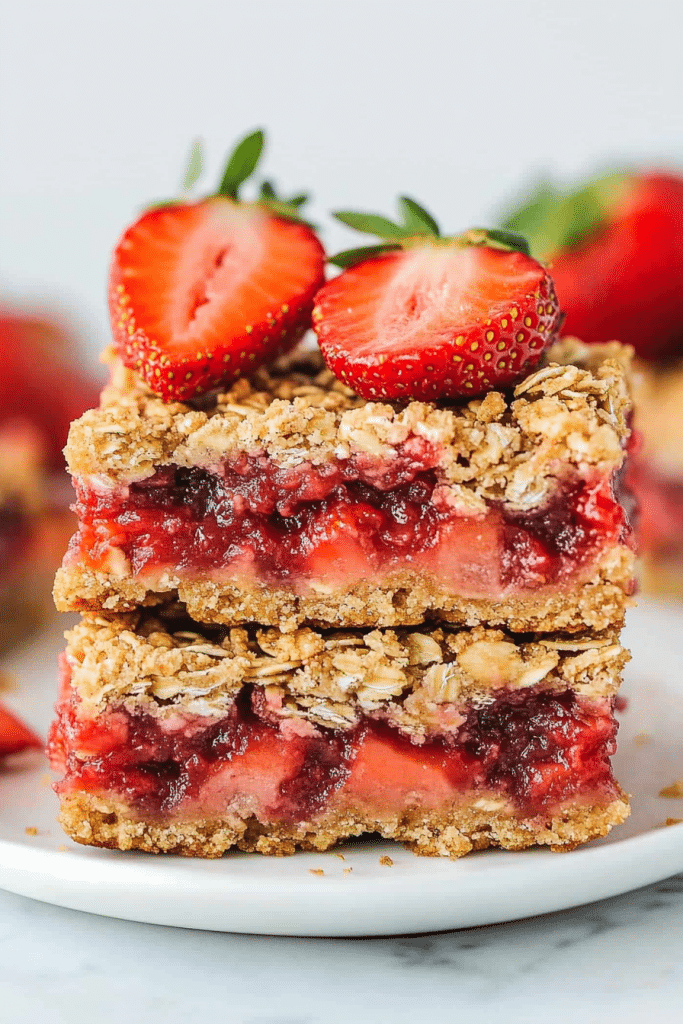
[571, 413]
[418, 679]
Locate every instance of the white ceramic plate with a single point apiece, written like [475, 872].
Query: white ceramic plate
[284, 896]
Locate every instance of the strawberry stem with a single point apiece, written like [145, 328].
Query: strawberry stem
[372, 224]
[554, 219]
[418, 229]
[508, 240]
[281, 207]
[416, 219]
[350, 257]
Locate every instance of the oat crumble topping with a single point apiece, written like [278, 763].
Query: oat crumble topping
[415, 678]
[570, 413]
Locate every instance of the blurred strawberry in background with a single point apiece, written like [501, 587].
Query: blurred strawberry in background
[42, 388]
[15, 736]
[615, 247]
[40, 381]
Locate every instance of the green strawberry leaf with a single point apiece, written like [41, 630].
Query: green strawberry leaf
[288, 208]
[508, 240]
[372, 224]
[282, 208]
[195, 165]
[532, 216]
[554, 220]
[161, 204]
[416, 219]
[350, 257]
[268, 191]
[242, 164]
[574, 219]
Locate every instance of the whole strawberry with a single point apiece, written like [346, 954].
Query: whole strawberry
[615, 247]
[202, 293]
[425, 317]
[40, 381]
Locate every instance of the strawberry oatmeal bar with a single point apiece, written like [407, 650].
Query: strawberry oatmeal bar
[375, 588]
[290, 500]
[173, 736]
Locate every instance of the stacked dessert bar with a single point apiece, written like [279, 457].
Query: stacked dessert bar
[309, 614]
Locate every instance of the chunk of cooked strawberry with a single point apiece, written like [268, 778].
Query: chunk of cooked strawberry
[429, 317]
[616, 251]
[202, 293]
[14, 735]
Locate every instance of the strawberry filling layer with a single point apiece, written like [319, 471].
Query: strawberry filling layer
[343, 522]
[533, 751]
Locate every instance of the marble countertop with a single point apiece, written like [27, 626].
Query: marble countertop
[615, 962]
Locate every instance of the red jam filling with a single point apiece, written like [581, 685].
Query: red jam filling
[537, 749]
[343, 520]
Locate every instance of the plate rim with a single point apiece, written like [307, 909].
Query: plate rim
[483, 888]
[136, 886]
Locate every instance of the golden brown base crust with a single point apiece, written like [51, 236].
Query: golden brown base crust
[95, 821]
[403, 598]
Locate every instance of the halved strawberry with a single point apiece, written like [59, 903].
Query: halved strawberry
[427, 317]
[14, 735]
[202, 293]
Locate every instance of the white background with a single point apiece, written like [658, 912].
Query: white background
[457, 103]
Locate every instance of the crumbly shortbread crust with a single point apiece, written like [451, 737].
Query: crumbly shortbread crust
[96, 821]
[595, 601]
[571, 413]
[416, 679]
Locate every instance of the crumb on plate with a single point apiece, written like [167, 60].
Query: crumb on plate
[674, 791]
